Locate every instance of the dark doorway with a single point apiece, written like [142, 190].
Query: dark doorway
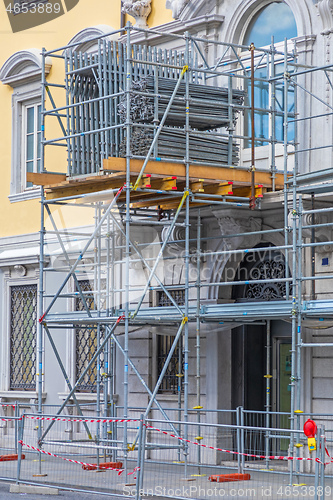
[248, 367]
[260, 273]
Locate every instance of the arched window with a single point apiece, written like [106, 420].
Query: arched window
[275, 20]
[263, 265]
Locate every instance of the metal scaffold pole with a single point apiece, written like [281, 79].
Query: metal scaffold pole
[198, 406]
[40, 340]
[272, 115]
[294, 312]
[127, 230]
[187, 244]
[268, 388]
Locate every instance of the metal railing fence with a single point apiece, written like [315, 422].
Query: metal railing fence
[148, 458]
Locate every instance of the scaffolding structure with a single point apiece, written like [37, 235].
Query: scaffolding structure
[146, 152]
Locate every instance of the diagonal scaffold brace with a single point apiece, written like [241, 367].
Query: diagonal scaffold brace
[160, 254]
[160, 378]
[69, 385]
[80, 257]
[83, 374]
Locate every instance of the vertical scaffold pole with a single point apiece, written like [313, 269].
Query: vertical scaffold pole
[294, 262]
[285, 161]
[253, 132]
[41, 263]
[187, 238]
[97, 300]
[127, 228]
[298, 203]
[300, 298]
[106, 374]
[197, 345]
[272, 114]
[268, 389]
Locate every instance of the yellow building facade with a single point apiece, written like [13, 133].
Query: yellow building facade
[229, 373]
[23, 217]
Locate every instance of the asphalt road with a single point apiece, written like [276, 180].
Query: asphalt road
[63, 495]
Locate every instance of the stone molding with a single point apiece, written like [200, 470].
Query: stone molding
[24, 67]
[232, 224]
[325, 9]
[86, 39]
[161, 34]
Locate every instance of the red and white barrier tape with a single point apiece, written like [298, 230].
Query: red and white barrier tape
[270, 457]
[91, 420]
[120, 471]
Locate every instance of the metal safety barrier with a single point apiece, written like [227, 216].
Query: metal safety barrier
[140, 457]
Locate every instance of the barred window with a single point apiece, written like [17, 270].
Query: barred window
[86, 343]
[172, 380]
[23, 337]
[177, 295]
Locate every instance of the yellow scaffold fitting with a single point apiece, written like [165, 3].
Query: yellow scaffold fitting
[197, 407]
[184, 320]
[298, 411]
[179, 375]
[185, 68]
[298, 445]
[131, 447]
[268, 376]
[198, 438]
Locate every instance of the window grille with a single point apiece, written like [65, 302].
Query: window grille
[173, 374]
[177, 295]
[86, 343]
[23, 337]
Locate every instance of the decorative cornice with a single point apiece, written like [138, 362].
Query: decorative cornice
[186, 9]
[29, 194]
[162, 33]
[24, 67]
[86, 39]
[20, 256]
